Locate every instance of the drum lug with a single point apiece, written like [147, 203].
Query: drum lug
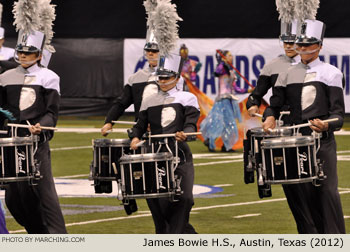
[260, 176]
[250, 162]
[177, 186]
[36, 171]
[119, 193]
[320, 174]
[91, 170]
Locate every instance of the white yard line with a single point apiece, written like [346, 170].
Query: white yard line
[223, 185]
[208, 155]
[74, 176]
[246, 215]
[147, 215]
[72, 148]
[218, 162]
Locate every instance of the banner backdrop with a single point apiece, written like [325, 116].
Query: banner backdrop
[250, 55]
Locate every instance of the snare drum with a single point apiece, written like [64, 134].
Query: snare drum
[105, 166]
[289, 160]
[17, 159]
[147, 176]
[252, 149]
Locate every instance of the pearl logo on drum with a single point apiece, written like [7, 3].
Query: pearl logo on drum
[21, 158]
[302, 159]
[161, 174]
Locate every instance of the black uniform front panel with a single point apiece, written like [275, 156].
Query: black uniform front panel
[155, 119]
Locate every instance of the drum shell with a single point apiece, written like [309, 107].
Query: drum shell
[106, 153]
[147, 175]
[289, 160]
[16, 159]
[257, 135]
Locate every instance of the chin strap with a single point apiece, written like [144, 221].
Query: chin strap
[166, 84]
[307, 52]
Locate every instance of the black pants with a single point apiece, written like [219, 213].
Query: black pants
[318, 209]
[173, 217]
[36, 207]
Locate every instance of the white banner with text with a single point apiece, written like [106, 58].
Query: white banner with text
[249, 57]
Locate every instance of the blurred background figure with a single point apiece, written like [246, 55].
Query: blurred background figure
[221, 120]
[190, 67]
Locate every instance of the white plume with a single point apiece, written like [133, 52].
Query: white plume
[26, 15]
[47, 16]
[306, 9]
[286, 9]
[150, 6]
[165, 25]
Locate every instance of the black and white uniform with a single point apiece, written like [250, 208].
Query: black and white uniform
[268, 77]
[267, 80]
[141, 84]
[314, 91]
[33, 94]
[6, 59]
[170, 112]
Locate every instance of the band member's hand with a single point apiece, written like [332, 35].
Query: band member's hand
[35, 129]
[252, 110]
[180, 136]
[270, 123]
[106, 129]
[318, 125]
[134, 142]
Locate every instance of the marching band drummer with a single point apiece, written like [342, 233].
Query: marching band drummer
[270, 71]
[314, 92]
[267, 80]
[137, 86]
[31, 93]
[140, 84]
[171, 110]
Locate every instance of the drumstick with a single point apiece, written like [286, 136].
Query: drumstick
[27, 126]
[124, 122]
[258, 115]
[304, 125]
[173, 134]
[309, 124]
[3, 132]
[140, 143]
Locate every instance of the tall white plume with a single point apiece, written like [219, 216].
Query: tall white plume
[165, 21]
[47, 16]
[26, 15]
[286, 9]
[306, 9]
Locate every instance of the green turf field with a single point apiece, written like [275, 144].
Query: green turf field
[224, 212]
